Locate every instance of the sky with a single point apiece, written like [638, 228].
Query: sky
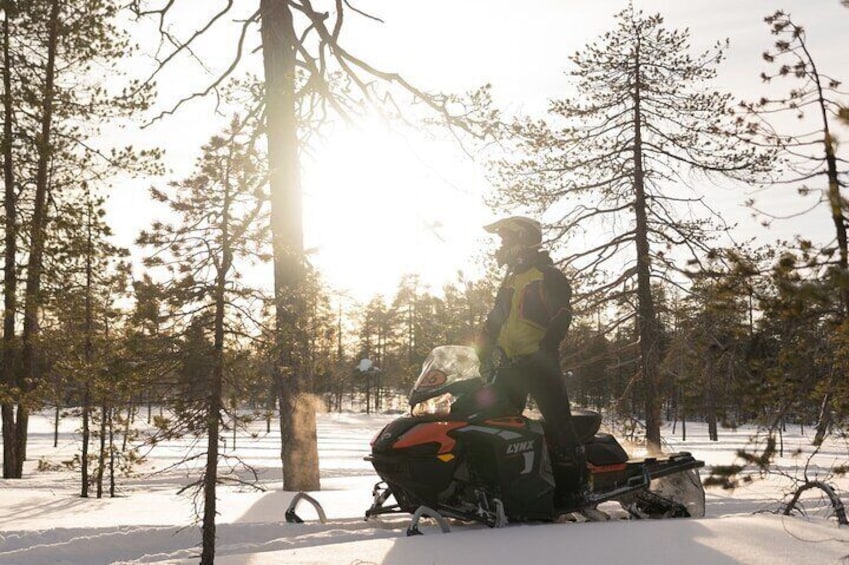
[379, 204]
[44, 522]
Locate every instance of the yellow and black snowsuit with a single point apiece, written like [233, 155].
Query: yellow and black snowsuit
[532, 310]
[531, 316]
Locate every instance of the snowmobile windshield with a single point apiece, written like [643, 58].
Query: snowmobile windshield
[448, 371]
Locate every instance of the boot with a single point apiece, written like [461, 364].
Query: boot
[572, 478]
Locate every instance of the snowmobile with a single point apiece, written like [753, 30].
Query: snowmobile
[452, 459]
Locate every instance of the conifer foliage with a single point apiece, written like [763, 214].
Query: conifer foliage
[814, 168]
[218, 227]
[623, 157]
[57, 57]
[309, 75]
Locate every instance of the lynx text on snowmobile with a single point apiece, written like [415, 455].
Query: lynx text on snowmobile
[451, 459]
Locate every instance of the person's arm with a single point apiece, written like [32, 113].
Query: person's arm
[558, 294]
[488, 336]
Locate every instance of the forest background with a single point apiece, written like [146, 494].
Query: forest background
[220, 303]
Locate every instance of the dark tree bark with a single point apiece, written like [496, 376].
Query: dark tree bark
[214, 402]
[299, 450]
[710, 393]
[8, 376]
[649, 330]
[88, 352]
[86, 440]
[101, 455]
[38, 230]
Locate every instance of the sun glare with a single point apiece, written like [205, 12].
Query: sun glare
[378, 205]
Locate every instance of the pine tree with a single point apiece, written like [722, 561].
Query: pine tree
[86, 277]
[619, 159]
[309, 76]
[814, 165]
[55, 102]
[815, 103]
[219, 230]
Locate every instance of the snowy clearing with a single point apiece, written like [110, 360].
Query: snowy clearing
[43, 520]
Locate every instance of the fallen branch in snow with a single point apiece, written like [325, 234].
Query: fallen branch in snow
[836, 503]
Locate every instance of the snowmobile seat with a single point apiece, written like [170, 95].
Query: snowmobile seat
[587, 423]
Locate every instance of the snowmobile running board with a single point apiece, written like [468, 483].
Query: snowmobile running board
[293, 518]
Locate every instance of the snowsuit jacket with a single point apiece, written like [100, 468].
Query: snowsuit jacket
[532, 309]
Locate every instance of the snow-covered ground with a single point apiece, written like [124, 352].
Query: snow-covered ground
[43, 521]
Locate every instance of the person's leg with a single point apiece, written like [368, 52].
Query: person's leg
[545, 384]
[512, 385]
[548, 389]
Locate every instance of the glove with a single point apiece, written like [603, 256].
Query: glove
[487, 372]
[483, 347]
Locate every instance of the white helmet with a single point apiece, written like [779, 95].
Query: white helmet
[518, 234]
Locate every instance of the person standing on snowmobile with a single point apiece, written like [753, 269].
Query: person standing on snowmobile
[529, 320]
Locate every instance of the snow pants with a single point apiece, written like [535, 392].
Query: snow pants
[540, 376]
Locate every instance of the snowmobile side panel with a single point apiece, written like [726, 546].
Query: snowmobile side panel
[512, 462]
[414, 457]
[385, 439]
[433, 432]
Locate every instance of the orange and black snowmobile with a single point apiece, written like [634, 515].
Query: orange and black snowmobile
[450, 459]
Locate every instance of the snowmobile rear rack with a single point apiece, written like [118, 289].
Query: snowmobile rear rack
[670, 464]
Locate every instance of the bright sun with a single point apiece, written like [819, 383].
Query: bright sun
[378, 206]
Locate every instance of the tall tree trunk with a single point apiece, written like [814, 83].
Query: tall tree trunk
[647, 320]
[56, 415]
[84, 479]
[299, 450]
[210, 480]
[710, 393]
[214, 401]
[111, 457]
[836, 201]
[8, 364]
[838, 218]
[88, 351]
[37, 240]
[101, 456]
